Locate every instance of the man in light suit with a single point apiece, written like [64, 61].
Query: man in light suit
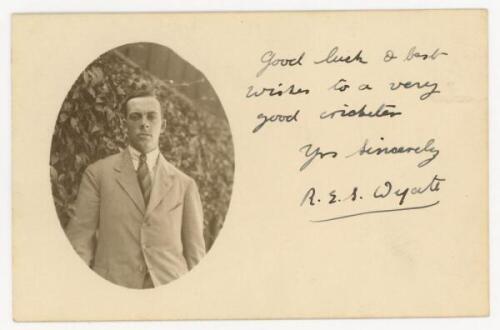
[138, 220]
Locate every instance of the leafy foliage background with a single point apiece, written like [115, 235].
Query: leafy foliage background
[90, 127]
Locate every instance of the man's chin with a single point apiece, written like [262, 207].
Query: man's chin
[144, 147]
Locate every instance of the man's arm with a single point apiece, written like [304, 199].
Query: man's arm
[192, 226]
[81, 230]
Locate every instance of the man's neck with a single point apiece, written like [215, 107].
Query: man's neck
[137, 152]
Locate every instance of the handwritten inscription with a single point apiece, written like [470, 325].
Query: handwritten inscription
[428, 148]
[334, 57]
[342, 85]
[279, 90]
[387, 190]
[269, 59]
[312, 153]
[384, 110]
[275, 118]
[399, 195]
[414, 54]
[419, 85]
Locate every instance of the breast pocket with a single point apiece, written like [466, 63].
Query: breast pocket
[175, 207]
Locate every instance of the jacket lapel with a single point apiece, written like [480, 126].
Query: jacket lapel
[127, 179]
[161, 185]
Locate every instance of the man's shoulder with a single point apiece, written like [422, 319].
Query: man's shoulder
[176, 172]
[107, 162]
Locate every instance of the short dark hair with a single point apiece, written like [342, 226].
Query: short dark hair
[143, 92]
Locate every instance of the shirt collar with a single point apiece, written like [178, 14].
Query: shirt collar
[151, 157]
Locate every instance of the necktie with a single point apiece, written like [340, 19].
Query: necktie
[144, 178]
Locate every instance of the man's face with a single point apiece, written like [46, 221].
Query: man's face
[144, 123]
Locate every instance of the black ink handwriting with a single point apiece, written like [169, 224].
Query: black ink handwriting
[332, 57]
[419, 85]
[311, 154]
[427, 148]
[275, 118]
[268, 58]
[278, 91]
[384, 110]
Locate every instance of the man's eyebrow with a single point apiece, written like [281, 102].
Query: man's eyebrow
[145, 112]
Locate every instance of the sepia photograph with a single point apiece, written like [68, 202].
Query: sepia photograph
[141, 166]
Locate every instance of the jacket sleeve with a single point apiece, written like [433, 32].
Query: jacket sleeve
[192, 226]
[82, 228]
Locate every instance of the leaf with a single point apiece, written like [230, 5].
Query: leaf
[53, 174]
[78, 162]
[97, 74]
[95, 128]
[62, 117]
[86, 76]
[110, 115]
[54, 158]
[91, 91]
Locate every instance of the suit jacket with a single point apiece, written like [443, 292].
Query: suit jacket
[121, 238]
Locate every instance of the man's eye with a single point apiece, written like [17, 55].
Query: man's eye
[152, 116]
[134, 116]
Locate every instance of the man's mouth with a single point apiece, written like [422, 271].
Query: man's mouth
[144, 135]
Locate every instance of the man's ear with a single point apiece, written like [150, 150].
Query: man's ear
[163, 125]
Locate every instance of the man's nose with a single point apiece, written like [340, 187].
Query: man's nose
[145, 122]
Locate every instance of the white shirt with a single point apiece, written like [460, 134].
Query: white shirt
[151, 160]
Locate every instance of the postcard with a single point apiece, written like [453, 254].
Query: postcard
[176, 166]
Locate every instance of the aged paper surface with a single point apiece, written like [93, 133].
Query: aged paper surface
[361, 176]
